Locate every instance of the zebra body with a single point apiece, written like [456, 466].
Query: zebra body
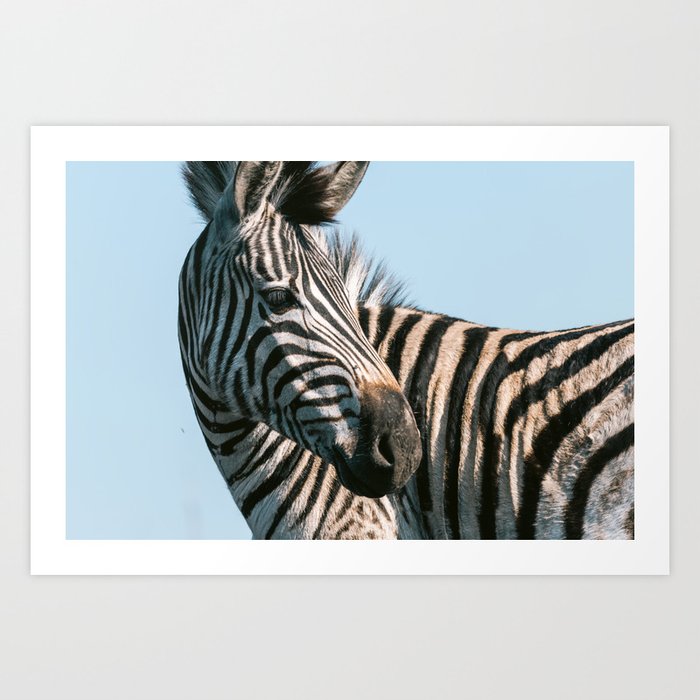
[524, 434]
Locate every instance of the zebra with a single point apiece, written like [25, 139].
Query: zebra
[272, 349]
[520, 434]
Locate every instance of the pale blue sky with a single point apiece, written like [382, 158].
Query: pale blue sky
[522, 245]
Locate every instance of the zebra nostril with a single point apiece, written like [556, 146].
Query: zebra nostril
[385, 449]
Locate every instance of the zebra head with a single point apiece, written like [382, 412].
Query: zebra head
[278, 339]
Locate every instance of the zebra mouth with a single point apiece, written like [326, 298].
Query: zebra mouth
[383, 480]
[352, 481]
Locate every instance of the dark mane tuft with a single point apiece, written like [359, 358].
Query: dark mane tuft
[300, 193]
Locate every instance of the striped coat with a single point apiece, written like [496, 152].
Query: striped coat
[524, 434]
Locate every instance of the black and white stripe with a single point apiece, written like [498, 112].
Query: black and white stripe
[524, 434]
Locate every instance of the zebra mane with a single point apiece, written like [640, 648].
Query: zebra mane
[366, 278]
[299, 193]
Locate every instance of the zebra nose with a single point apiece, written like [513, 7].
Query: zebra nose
[384, 450]
[388, 449]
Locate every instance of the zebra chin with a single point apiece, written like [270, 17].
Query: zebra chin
[388, 450]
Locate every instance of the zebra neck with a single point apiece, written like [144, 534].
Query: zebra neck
[286, 492]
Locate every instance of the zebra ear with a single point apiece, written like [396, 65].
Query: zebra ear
[252, 177]
[299, 190]
[343, 178]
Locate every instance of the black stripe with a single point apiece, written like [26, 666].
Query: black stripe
[417, 397]
[520, 335]
[213, 315]
[242, 330]
[396, 348]
[278, 353]
[241, 396]
[411, 493]
[228, 447]
[380, 504]
[320, 401]
[326, 380]
[198, 248]
[550, 438]
[214, 426]
[210, 403]
[384, 318]
[182, 327]
[294, 252]
[474, 340]
[282, 471]
[275, 234]
[345, 528]
[330, 499]
[254, 342]
[296, 372]
[488, 501]
[348, 500]
[289, 499]
[311, 501]
[256, 460]
[576, 510]
[185, 305]
[363, 319]
[344, 415]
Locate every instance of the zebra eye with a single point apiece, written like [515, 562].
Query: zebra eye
[279, 299]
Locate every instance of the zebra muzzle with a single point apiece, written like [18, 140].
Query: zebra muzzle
[388, 449]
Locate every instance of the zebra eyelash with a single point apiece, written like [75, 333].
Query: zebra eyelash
[279, 299]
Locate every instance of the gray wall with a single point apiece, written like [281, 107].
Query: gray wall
[362, 62]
